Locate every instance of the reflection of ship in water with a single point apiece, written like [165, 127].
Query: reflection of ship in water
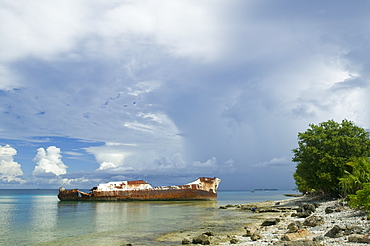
[139, 190]
[121, 222]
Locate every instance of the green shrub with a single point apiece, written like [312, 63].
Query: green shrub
[362, 199]
[354, 180]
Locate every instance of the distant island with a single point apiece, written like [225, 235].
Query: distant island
[264, 189]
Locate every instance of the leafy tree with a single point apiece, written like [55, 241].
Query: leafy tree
[354, 180]
[323, 151]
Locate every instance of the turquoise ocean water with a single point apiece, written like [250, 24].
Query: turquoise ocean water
[37, 217]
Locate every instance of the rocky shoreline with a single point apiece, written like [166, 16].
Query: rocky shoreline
[297, 221]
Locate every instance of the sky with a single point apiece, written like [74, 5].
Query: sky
[93, 91]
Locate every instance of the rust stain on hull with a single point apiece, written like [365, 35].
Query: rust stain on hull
[200, 189]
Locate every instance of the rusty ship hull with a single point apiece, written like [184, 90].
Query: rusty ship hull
[201, 189]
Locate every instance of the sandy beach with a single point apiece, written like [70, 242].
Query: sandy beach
[295, 221]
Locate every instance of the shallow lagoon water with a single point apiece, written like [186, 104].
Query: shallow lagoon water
[37, 217]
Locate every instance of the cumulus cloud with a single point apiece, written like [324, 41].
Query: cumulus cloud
[111, 155]
[211, 163]
[49, 162]
[9, 169]
[277, 161]
[110, 159]
[173, 168]
[106, 165]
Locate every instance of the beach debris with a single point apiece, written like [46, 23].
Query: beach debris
[230, 205]
[335, 209]
[351, 227]
[263, 207]
[294, 226]
[300, 234]
[305, 209]
[313, 221]
[296, 231]
[202, 239]
[186, 241]
[256, 235]
[250, 230]
[209, 233]
[234, 241]
[271, 222]
[294, 195]
[357, 238]
[334, 232]
[299, 243]
[253, 232]
[340, 231]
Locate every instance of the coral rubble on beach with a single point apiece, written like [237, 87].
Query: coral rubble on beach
[302, 221]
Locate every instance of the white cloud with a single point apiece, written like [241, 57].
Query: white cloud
[126, 156]
[173, 167]
[170, 166]
[109, 160]
[230, 162]
[276, 161]
[73, 153]
[114, 158]
[198, 78]
[184, 28]
[56, 182]
[139, 127]
[143, 88]
[106, 165]
[42, 29]
[169, 162]
[211, 163]
[49, 162]
[53, 28]
[9, 169]
[8, 79]
[120, 144]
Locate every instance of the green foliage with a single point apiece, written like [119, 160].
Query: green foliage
[354, 180]
[323, 151]
[362, 199]
[301, 183]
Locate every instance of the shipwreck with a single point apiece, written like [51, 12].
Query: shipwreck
[139, 190]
